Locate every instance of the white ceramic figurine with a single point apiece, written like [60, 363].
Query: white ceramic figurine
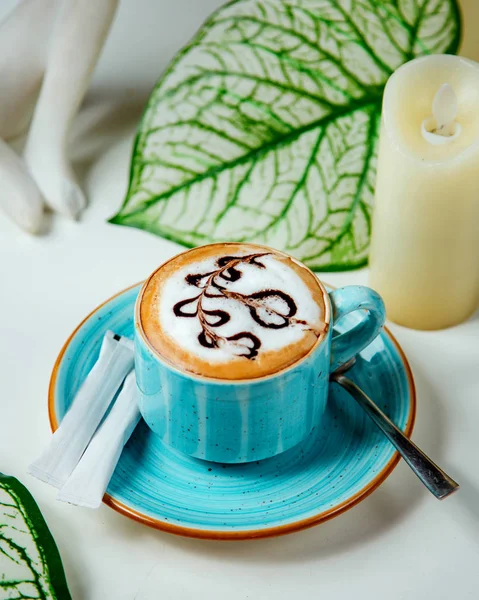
[48, 50]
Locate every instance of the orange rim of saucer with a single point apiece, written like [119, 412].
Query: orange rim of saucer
[253, 533]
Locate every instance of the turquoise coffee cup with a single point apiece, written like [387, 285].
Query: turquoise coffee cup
[237, 421]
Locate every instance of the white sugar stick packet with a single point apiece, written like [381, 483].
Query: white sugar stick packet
[88, 408]
[89, 480]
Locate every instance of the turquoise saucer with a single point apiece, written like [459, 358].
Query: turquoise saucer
[340, 464]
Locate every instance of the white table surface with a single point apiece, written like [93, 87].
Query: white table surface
[400, 543]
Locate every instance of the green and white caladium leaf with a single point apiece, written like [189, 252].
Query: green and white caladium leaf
[265, 127]
[30, 565]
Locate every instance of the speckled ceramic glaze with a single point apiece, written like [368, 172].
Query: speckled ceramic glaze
[334, 468]
[238, 421]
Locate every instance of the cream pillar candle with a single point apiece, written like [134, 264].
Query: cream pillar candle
[424, 257]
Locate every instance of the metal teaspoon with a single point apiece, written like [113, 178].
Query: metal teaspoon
[432, 476]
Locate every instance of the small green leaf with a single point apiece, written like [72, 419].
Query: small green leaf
[30, 565]
[264, 129]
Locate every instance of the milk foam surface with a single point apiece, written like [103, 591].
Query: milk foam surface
[246, 305]
[274, 276]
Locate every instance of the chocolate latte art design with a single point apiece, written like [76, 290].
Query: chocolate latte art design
[233, 311]
[272, 309]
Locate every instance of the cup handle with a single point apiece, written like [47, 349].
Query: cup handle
[348, 344]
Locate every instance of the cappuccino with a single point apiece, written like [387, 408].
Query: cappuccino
[232, 311]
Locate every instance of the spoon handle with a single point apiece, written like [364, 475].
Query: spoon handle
[433, 477]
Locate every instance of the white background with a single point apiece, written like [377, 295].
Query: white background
[400, 543]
